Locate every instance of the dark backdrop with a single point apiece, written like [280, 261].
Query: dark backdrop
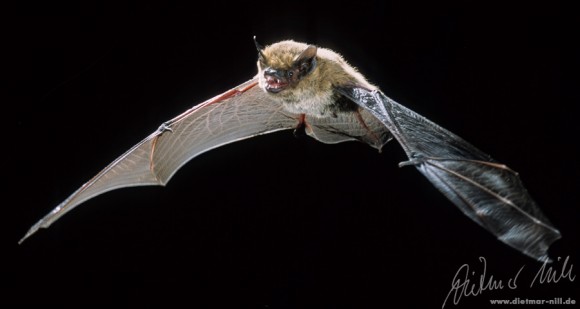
[275, 221]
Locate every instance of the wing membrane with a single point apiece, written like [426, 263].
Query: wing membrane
[489, 193]
[237, 114]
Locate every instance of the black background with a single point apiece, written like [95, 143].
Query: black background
[275, 222]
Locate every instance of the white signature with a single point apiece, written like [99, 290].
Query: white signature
[467, 283]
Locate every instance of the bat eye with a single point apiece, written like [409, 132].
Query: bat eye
[290, 73]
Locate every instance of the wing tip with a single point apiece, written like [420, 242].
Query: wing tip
[31, 232]
[45, 222]
[544, 258]
[534, 246]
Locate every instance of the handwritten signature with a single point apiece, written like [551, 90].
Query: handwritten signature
[466, 283]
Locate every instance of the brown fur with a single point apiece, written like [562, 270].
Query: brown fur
[314, 95]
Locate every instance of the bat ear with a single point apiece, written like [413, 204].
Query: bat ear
[260, 48]
[306, 61]
[308, 53]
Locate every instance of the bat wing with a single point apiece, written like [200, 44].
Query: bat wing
[358, 125]
[237, 114]
[489, 193]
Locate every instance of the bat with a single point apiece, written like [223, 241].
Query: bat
[315, 92]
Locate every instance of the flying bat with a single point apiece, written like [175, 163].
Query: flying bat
[314, 91]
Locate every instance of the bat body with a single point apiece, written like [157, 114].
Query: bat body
[315, 91]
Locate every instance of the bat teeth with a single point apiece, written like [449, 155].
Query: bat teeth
[275, 82]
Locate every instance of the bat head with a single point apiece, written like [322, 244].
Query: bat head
[284, 65]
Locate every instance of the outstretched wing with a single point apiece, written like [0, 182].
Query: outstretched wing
[237, 114]
[489, 193]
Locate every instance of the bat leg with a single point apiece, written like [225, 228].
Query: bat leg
[414, 159]
[300, 130]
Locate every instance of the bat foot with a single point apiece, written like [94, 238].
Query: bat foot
[409, 163]
[300, 131]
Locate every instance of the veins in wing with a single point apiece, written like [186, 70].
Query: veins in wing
[336, 131]
[165, 127]
[365, 126]
[210, 105]
[431, 161]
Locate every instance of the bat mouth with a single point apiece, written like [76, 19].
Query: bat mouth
[274, 84]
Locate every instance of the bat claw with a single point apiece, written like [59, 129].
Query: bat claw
[299, 132]
[164, 127]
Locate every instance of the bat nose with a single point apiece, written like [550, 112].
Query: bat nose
[274, 73]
